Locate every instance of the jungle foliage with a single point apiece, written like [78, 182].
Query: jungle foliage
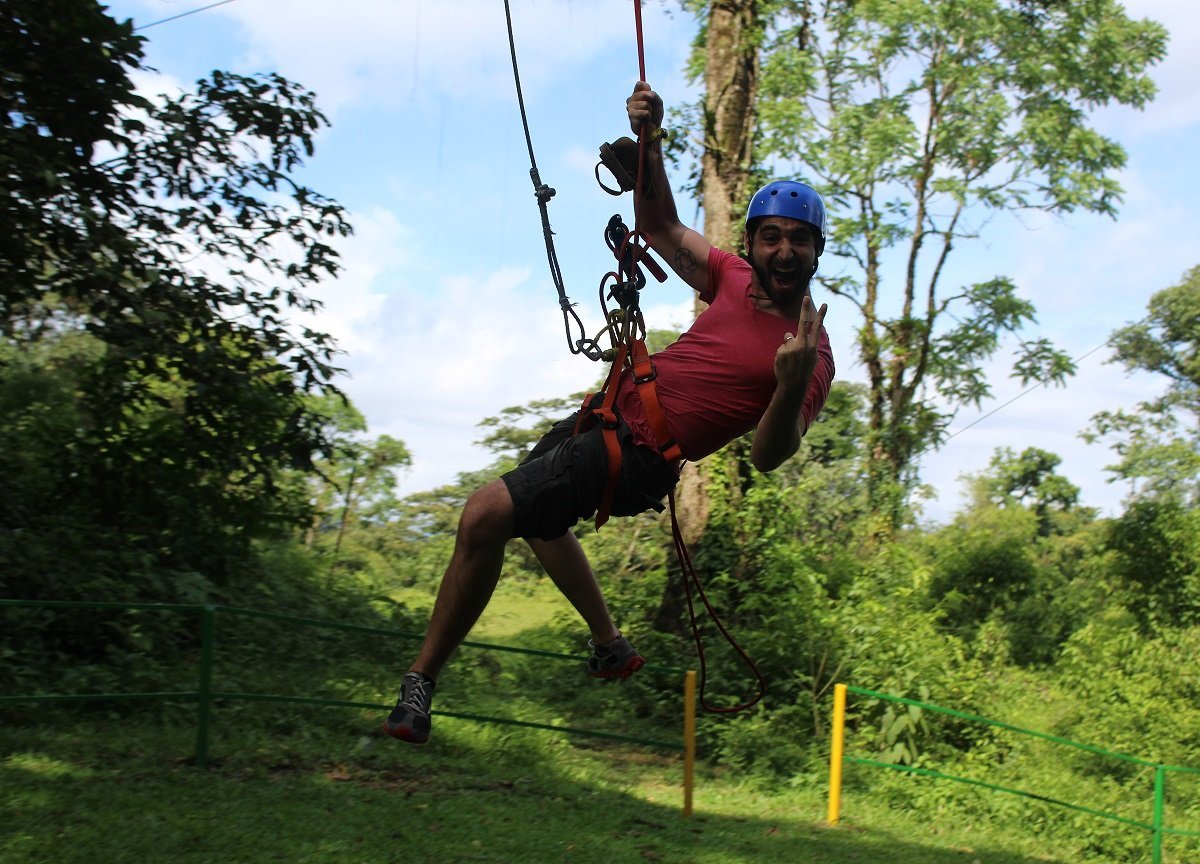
[162, 408]
[919, 122]
[167, 436]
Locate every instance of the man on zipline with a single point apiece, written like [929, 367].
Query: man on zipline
[758, 358]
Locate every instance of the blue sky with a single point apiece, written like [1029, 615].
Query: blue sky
[445, 308]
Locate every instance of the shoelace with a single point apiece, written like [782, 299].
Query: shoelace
[418, 696]
[606, 653]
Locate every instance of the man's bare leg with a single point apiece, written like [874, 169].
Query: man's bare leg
[568, 568]
[484, 529]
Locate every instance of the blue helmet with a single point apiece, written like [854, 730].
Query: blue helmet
[793, 200]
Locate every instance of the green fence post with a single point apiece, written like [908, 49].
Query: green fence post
[207, 636]
[1160, 782]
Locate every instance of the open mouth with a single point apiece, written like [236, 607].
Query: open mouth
[785, 278]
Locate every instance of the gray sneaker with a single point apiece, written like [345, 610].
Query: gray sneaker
[409, 720]
[614, 659]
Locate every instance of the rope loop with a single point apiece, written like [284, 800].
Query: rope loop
[691, 583]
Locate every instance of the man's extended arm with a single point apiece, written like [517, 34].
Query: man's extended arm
[685, 250]
[783, 424]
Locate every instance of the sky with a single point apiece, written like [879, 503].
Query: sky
[445, 310]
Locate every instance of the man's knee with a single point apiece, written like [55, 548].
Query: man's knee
[487, 515]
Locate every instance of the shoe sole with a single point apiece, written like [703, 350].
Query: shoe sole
[404, 734]
[633, 664]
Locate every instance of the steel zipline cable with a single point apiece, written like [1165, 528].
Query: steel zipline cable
[1039, 385]
[181, 15]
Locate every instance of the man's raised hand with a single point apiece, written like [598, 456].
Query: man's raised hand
[797, 356]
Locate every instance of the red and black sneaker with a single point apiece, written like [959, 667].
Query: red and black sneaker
[409, 720]
[614, 659]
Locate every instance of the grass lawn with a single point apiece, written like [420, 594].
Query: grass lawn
[514, 608]
[298, 783]
[110, 790]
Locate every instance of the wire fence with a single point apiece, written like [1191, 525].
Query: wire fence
[206, 695]
[1156, 827]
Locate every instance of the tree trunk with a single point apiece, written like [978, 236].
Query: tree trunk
[730, 89]
[731, 75]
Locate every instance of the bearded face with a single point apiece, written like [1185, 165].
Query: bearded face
[783, 253]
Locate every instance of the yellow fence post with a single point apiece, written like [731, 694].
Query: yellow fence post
[837, 742]
[689, 739]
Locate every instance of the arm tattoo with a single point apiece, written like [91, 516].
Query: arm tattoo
[685, 262]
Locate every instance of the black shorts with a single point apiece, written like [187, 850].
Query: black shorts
[562, 480]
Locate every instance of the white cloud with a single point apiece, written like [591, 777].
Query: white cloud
[386, 52]
[431, 350]
[437, 353]
[352, 304]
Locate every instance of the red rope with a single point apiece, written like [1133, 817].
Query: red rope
[690, 578]
[637, 21]
[636, 235]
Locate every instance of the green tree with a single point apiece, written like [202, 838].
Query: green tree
[1127, 691]
[511, 434]
[984, 565]
[918, 120]
[158, 503]
[1009, 573]
[1158, 444]
[1029, 480]
[828, 482]
[425, 522]
[357, 481]
[150, 253]
[1157, 558]
[109, 195]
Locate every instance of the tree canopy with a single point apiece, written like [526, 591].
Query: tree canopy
[1158, 444]
[919, 121]
[151, 252]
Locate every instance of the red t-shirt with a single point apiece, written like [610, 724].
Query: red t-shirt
[716, 380]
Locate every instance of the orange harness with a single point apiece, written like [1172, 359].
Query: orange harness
[634, 353]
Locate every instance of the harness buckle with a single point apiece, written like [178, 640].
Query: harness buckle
[626, 293]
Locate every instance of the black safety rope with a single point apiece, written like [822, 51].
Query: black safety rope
[571, 321]
[691, 584]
